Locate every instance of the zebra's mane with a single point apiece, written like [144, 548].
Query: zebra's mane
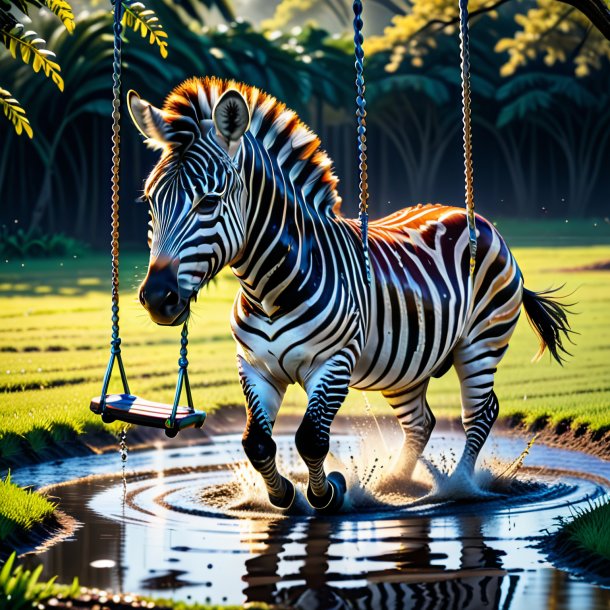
[272, 123]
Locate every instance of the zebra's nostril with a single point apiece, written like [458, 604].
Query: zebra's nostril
[171, 298]
[142, 299]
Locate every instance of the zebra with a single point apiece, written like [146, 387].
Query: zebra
[242, 182]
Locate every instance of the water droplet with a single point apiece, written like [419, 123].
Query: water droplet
[103, 563]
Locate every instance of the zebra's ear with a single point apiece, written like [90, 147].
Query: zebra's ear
[231, 117]
[150, 121]
[160, 128]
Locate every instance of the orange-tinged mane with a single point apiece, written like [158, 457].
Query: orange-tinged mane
[196, 98]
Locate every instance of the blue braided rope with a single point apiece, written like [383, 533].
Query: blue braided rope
[363, 215]
[468, 170]
[116, 161]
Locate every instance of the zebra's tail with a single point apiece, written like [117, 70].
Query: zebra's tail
[548, 316]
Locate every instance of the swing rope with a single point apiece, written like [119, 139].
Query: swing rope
[115, 351]
[127, 407]
[363, 188]
[467, 133]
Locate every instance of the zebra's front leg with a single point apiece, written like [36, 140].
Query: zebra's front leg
[326, 393]
[264, 398]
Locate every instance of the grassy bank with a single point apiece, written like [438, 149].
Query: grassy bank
[21, 510]
[55, 332]
[582, 543]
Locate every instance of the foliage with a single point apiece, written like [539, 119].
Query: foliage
[589, 528]
[322, 60]
[64, 11]
[30, 47]
[21, 509]
[15, 113]
[286, 11]
[140, 19]
[20, 588]
[551, 29]
[557, 33]
[529, 94]
[26, 244]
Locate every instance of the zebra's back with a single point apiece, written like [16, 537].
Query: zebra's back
[421, 301]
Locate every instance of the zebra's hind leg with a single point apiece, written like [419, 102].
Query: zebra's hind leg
[263, 402]
[476, 368]
[326, 390]
[417, 422]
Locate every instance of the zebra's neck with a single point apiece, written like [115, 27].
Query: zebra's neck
[287, 206]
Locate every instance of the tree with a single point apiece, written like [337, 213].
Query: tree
[577, 31]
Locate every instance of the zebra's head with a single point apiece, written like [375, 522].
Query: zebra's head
[195, 193]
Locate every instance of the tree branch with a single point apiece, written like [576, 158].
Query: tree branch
[597, 11]
[445, 23]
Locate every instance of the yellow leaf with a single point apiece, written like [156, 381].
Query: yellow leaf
[145, 22]
[31, 48]
[64, 11]
[15, 113]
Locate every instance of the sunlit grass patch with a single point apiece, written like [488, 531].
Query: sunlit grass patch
[581, 545]
[54, 348]
[21, 509]
[590, 528]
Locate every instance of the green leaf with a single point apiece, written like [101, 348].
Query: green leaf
[15, 113]
[7, 568]
[524, 105]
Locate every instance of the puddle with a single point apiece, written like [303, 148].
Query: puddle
[182, 532]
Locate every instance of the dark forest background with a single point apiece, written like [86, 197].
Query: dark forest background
[541, 135]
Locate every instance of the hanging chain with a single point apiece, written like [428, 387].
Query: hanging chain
[468, 171]
[361, 114]
[116, 160]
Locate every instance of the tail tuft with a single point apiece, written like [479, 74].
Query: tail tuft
[548, 316]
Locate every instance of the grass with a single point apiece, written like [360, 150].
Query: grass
[21, 509]
[590, 528]
[55, 331]
[581, 545]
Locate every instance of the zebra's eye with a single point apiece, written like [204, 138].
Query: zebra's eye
[208, 203]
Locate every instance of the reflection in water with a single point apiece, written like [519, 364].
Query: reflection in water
[418, 579]
[164, 541]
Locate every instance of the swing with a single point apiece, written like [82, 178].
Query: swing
[128, 407]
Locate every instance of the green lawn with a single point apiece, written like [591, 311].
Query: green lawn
[55, 332]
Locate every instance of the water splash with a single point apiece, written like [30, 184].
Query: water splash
[368, 465]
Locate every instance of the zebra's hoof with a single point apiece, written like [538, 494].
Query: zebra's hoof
[286, 501]
[332, 500]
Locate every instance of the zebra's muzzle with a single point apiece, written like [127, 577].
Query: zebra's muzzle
[160, 294]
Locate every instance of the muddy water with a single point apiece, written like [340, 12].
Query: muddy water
[192, 525]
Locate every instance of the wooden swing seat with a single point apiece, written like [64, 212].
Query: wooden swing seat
[135, 410]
